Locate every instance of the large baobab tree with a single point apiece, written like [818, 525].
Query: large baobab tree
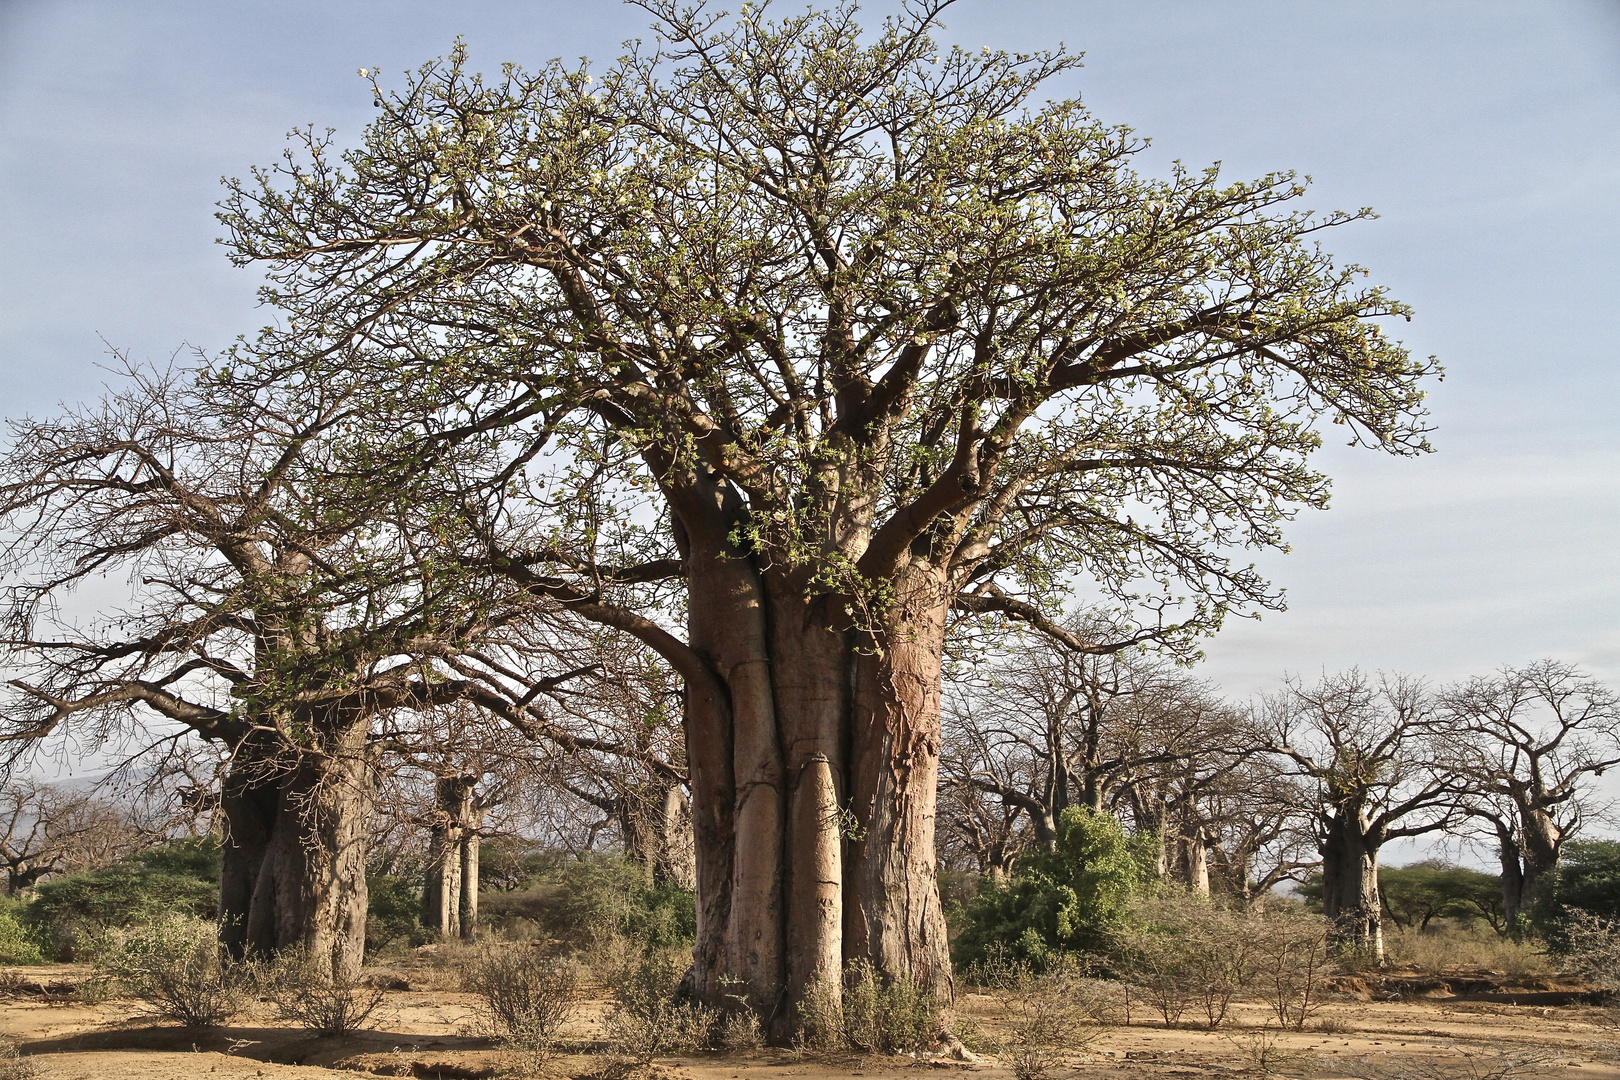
[282, 598]
[1530, 741]
[853, 330]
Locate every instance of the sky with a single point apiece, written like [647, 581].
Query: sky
[1487, 135]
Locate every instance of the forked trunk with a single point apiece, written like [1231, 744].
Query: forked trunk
[442, 894]
[813, 757]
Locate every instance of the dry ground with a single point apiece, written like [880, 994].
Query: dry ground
[424, 1030]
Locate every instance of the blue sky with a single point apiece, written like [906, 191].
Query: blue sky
[1487, 135]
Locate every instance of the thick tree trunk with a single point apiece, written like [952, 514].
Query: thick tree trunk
[1540, 844]
[812, 690]
[1192, 858]
[250, 799]
[813, 759]
[471, 841]
[1513, 894]
[893, 915]
[442, 902]
[1350, 897]
[310, 891]
[675, 864]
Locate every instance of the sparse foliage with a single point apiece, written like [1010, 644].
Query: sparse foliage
[324, 999]
[526, 997]
[177, 966]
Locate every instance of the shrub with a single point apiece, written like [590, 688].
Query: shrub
[181, 877]
[176, 965]
[1066, 900]
[1589, 947]
[526, 998]
[392, 908]
[325, 1001]
[648, 1019]
[897, 1017]
[1587, 879]
[1292, 964]
[13, 1066]
[17, 943]
[1049, 1014]
[584, 901]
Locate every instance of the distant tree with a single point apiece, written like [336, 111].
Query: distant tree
[1046, 726]
[1416, 895]
[48, 829]
[1531, 742]
[1368, 750]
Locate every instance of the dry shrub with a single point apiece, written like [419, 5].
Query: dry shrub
[441, 965]
[897, 1017]
[870, 1015]
[1590, 948]
[327, 1001]
[176, 965]
[1462, 1063]
[648, 1020]
[738, 1031]
[526, 998]
[13, 1066]
[1292, 963]
[1180, 948]
[1449, 948]
[1263, 1052]
[1050, 1016]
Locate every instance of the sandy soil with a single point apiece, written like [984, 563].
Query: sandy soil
[426, 1030]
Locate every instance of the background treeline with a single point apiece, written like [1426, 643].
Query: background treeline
[1077, 789]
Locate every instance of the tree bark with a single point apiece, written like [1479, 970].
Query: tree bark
[472, 821]
[250, 800]
[893, 915]
[309, 894]
[1350, 897]
[444, 892]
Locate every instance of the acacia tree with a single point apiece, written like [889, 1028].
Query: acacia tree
[1530, 740]
[1370, 753]
[281, 600]
[870, 332]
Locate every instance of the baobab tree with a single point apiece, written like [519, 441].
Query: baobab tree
[282, 600]
[49, 829]
[1530, 741]
[845, 331]
[1370, 754]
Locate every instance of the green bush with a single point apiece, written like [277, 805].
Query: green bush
[583, 900]
[1587, 880]
[1062, 901]
[18, 945]
[178, 878]
[393, 907]
[1588, 877]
